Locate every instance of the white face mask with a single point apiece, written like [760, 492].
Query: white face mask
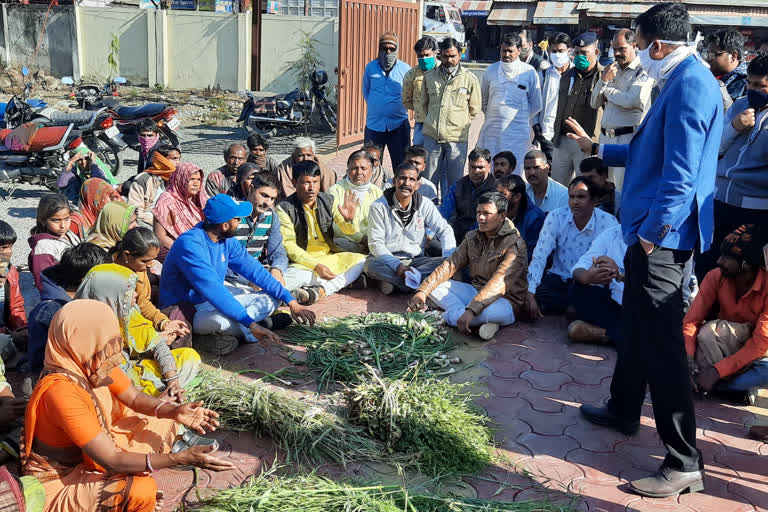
[559, 59]
[659, 69]
[507, 66]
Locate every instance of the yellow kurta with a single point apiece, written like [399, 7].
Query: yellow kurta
[318, 251]
[361, 214]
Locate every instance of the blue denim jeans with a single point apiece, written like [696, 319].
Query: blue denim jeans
[418, 134]
[754, 376]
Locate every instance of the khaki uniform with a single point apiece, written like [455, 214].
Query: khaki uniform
[625, 101]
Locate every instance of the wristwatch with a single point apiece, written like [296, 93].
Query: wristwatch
[595, 148]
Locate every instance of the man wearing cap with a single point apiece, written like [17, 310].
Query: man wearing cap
[193, 276]
[387, 121]
[624, 91]
[576, 86]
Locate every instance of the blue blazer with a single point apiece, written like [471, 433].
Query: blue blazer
[671, 162]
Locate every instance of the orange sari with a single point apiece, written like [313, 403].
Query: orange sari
[74, 484]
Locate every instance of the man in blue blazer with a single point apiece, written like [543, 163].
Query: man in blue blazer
[666, 213]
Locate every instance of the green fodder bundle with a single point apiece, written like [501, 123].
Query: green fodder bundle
[433, 419]
[395, 344]
[306, 431]
[269, 492]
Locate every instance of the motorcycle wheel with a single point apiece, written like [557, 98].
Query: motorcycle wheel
[328, 114]
[110, 156]
[170, 137]
[261, 129]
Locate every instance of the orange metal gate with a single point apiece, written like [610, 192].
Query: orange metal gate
[361, 22]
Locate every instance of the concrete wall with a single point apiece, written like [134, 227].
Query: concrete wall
[280, 37]
[97, 25]
[22, 29]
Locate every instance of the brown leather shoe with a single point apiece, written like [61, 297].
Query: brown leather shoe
[668, 482]
[759, 432]
[584, 332]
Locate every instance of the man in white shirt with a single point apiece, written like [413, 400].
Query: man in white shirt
[511, 98]
[597, 289]
[545, 192]
[560, 59]
[567, 234]
[624, 91]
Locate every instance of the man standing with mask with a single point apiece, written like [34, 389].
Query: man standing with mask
[666, 212]
[426, 52]
[529, 56]
[576, 86]
[511, 97]
[741, 187]
[560, 59]
[450, 98]
[387, 121]
[624, 91]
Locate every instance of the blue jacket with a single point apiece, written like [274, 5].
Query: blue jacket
[52, 298]
[383, 95]
[742, 172]
[195, 268]
[530, 226]
[669, 181]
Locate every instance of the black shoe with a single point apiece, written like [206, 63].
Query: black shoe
[361, 283]
[277, 321]
[668, 482]
[605, 418]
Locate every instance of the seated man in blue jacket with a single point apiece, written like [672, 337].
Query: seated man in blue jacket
[194, 272]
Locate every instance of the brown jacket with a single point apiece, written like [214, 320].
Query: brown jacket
[498, 267]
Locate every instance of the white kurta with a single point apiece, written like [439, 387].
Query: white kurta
[510, 101]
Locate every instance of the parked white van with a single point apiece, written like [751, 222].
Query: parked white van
[443, 20]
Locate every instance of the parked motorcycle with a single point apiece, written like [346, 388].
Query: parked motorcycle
[32, 102]
[36, 155]
[297, 109]
[96, 128]
[127, 119]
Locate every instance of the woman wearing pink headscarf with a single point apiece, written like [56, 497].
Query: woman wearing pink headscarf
[180, 207]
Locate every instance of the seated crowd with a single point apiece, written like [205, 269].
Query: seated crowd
[187, 261]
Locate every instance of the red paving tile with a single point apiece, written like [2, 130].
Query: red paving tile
[536, 383]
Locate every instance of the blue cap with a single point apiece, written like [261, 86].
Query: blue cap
[585, 39]
[222, 208]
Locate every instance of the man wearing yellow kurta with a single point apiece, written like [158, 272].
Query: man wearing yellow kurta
[307, 219]
[358, 181]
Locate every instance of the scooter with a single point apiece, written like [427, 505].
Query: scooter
[36, 155]
[295, 109]
[127, 119]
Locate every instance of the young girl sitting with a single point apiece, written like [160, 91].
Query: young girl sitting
[51, 236]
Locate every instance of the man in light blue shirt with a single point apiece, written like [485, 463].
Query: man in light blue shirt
[543, 191]
[387, 121]
[567, 234]
[597, 289]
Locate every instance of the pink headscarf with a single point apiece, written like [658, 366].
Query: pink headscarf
[175, 210]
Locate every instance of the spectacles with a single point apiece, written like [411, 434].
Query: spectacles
[706, 54]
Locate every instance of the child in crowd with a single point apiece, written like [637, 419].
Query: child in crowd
[51, 235]
[149, 141]
[13, 319]
[80, 167]
[504, 164]
[60, 282]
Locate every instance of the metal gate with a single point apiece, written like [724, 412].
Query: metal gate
[361, 22]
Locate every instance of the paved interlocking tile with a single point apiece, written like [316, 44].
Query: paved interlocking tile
[547, 423]
[554, 446]
[589, 375]
[545, 381]
[584, 432]
[507, 369]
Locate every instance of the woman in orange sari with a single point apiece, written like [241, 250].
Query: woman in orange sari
[94, 195]
[91, 437]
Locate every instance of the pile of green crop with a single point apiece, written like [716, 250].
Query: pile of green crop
[396, 345]
[434, 419]
[269, 492]
[306, 431]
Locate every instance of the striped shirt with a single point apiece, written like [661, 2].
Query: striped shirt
[254, 235]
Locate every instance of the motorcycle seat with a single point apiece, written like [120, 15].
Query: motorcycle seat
[148, 110]
[81, 118]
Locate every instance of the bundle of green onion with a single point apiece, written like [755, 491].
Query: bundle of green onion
[432, 418]
[305, 430]
[269, 492]
[394, 344]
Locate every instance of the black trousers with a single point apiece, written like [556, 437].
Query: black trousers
[594, 305]
[396, 141]
[653, 353]
[727, 218]
[552, 294]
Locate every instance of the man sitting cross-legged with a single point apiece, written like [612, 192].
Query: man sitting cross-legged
[357, 181]
[319, 268]
[397, 225]
[497, 261]
[193, 278]
[567, 234]
[729, 353]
